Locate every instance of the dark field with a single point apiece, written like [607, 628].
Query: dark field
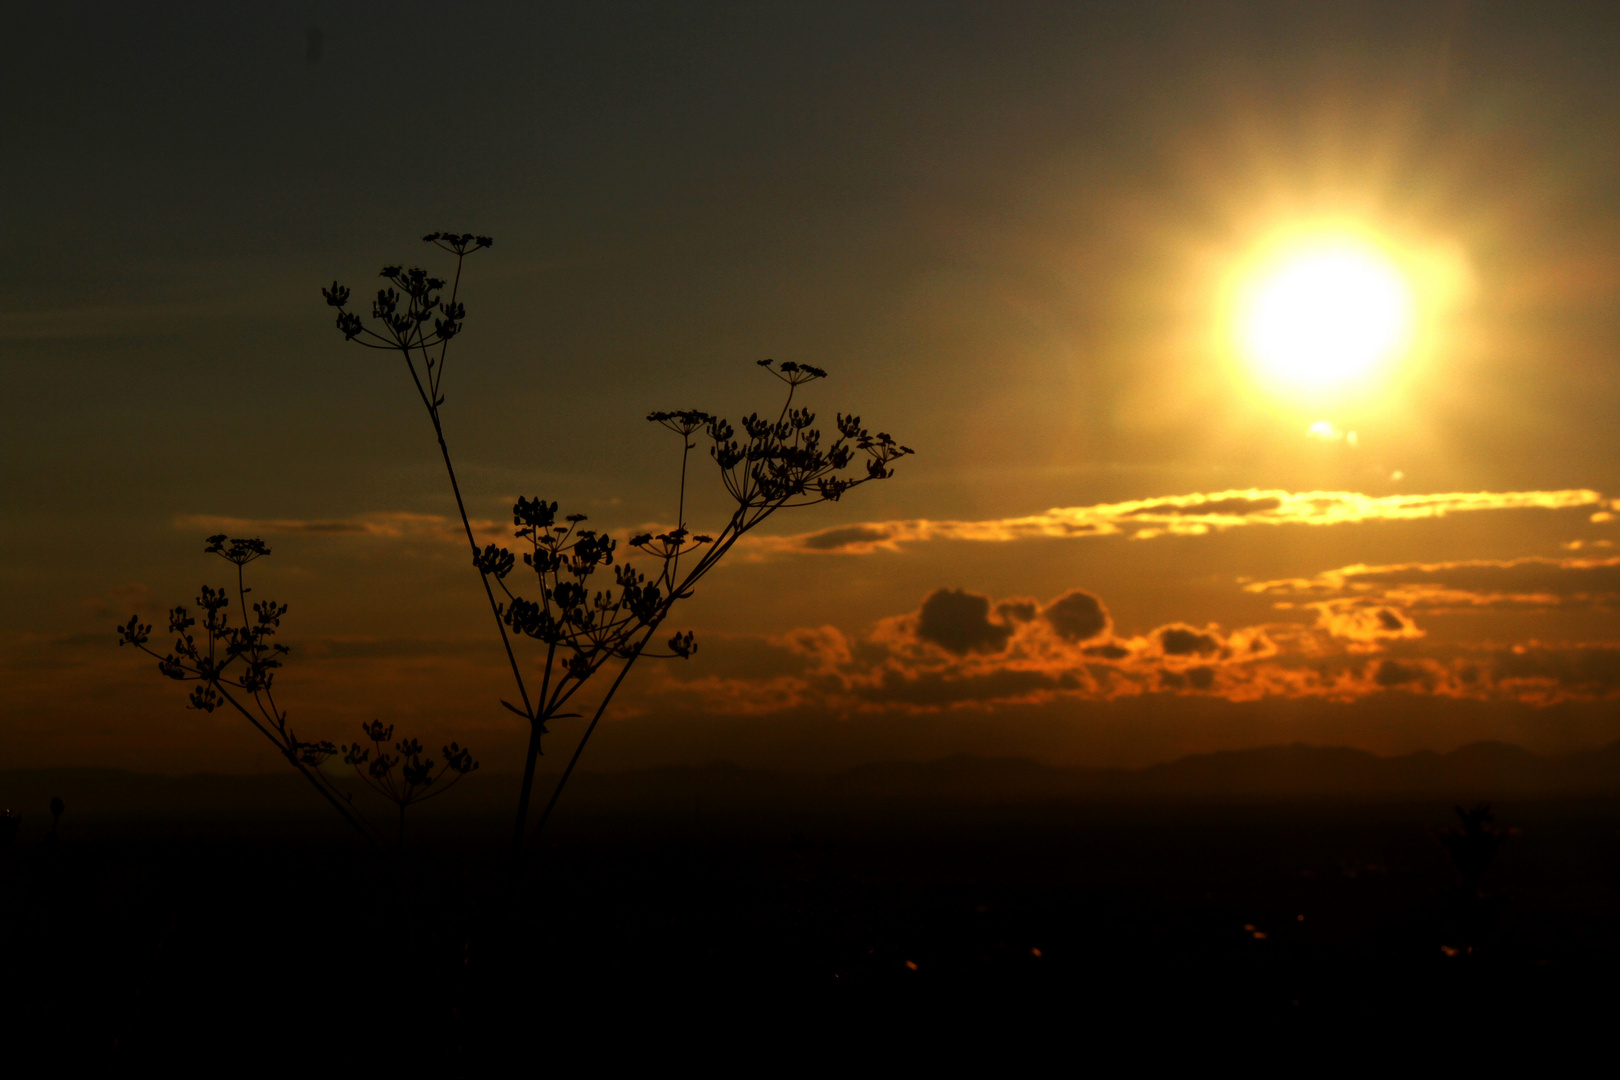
[143, 934]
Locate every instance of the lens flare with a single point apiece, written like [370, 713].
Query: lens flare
[1323, 316]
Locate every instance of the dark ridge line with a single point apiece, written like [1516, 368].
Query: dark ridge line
[1297, 772]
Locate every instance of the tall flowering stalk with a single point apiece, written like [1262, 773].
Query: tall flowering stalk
[583, 625]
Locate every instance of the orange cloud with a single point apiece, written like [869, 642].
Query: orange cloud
[1362, 622]
[964, 650]
[1181, 515]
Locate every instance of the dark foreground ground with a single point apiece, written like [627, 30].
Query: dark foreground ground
[140, 935]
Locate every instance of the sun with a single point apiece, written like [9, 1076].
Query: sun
[1325, 314]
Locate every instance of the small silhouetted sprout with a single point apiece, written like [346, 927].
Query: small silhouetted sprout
[561, 600]
[1473, 843]
[405, 777]
[235, 665]
[9, 823]
[51, 839]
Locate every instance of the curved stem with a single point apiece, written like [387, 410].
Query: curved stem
[489, 593]
[348, 812]
[430, 399]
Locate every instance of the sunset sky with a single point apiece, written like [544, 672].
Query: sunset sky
[1098, 264]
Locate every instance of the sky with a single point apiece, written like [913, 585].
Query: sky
[1018, 237]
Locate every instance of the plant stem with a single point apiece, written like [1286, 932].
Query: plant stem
[348, 812]
[518, 827]
[430, 401]
[549, 707]
[489, 593]
[583, 739]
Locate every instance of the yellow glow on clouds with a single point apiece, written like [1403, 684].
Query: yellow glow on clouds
[1184, 515]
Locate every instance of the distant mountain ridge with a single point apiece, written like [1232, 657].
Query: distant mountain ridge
[1297, 771]
[1484, 770]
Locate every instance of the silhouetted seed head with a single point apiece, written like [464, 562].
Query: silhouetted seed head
[313, 754]
[533, 514]
[458, 760]
[495, 560]
[238, 551]
[458, 243]
[418, 773]
[682, 423]
[134, 633]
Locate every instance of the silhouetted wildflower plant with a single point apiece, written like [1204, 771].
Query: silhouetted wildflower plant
[234, 666]
[585, 625]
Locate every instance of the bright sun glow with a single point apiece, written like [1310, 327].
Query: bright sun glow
[1325, 315]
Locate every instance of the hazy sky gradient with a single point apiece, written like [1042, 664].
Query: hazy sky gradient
[1003, 228]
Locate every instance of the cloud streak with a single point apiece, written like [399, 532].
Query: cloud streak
[1184, 515]
[1461, 585]
[392, 525]
[1140, 519]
